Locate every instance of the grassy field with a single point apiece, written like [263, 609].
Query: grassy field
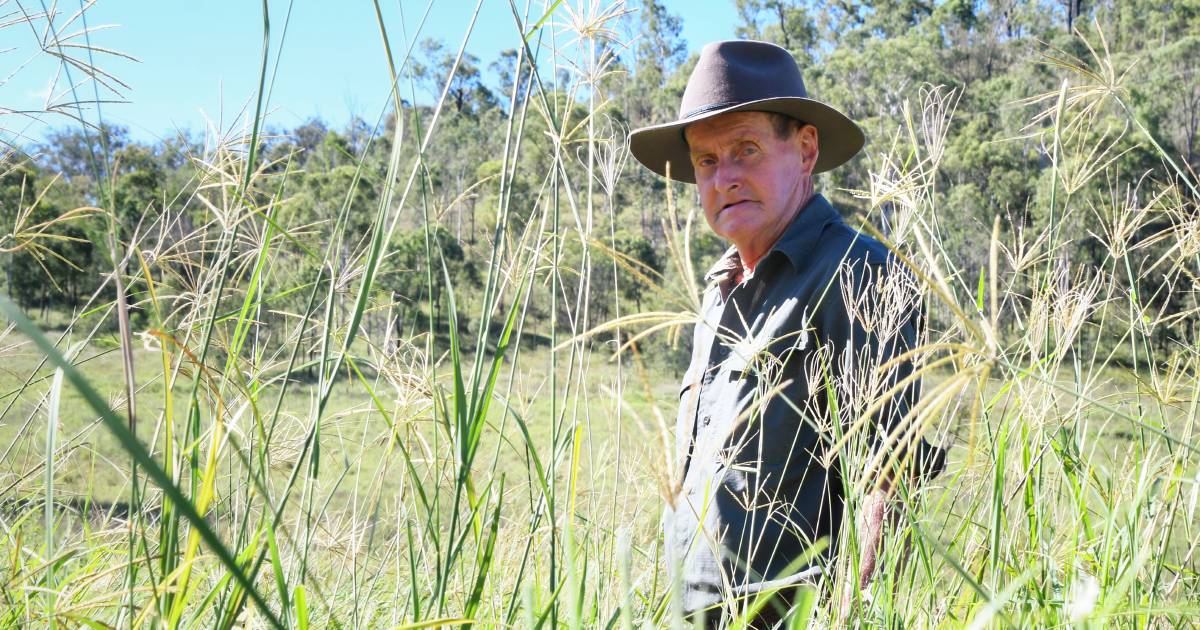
[290, 460]
[361, 484]
[1085, 462]
[92, 462]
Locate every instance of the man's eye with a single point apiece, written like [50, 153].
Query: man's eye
[750, 150]
[706, 162]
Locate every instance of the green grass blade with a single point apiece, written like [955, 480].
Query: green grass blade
[301, 607]
[52, 407]
[137, 451]
[277, 565]
[483, 567]
[538, 25]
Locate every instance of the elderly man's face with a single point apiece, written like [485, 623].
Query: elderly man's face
[751, 182]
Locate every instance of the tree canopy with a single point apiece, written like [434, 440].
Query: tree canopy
[872, 60]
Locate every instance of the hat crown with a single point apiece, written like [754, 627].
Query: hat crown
[738, 71]
[744, 76]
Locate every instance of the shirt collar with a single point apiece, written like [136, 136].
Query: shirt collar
[797, 242]
[725, 270]
[729, 262]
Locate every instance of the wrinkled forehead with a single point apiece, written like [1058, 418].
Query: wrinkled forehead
[725, 127]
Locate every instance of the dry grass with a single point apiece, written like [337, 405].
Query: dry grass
[297, 463]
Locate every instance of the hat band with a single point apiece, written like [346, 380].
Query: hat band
[708, 108]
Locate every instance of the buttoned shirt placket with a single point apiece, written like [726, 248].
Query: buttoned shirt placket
[736, 305]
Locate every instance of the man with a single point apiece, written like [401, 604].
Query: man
[800, 315]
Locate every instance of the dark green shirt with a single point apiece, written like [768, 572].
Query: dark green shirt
[768, 358]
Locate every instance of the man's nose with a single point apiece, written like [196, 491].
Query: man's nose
[728, 178]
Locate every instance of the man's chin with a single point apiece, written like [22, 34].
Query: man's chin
[739, 234]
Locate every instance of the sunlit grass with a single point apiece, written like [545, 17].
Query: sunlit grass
[299, 462]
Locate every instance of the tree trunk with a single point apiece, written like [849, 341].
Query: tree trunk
[1073, 8]
[472, 202]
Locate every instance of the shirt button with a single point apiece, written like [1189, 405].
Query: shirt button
[705, 420]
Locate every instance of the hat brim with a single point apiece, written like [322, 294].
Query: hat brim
[658, 146]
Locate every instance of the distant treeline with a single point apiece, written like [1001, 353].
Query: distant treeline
[867, 58]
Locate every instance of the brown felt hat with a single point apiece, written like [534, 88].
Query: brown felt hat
[738, 76]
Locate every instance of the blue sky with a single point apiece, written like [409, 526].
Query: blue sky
[197, 62]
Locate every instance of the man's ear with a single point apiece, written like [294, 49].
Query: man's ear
[808, 141]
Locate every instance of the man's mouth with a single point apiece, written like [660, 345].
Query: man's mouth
[734, 204]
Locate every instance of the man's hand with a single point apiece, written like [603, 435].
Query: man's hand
[870, 531]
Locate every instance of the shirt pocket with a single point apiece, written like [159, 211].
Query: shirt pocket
[770, 431]
[747, 369]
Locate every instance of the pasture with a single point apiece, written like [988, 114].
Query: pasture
[424, 372]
